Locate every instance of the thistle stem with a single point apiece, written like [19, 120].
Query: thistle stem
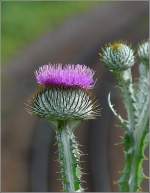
[68, 158]
[136, 175]
[124, 179]
[132, 175]
[125, 79]
[140, 136]
[128, 98]
[134, 142]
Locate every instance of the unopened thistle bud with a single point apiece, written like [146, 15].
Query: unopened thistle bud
[117, 57]
[143, 51]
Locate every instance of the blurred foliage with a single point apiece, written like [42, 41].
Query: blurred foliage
[24, 22]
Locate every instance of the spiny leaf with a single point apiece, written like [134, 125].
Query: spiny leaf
[114, 111]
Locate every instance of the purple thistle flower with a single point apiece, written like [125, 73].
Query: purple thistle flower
[68, 75]
[65, 102]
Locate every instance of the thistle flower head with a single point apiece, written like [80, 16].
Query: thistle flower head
[63, 104]
[143, 51]
[64, 95]
[65, 75]
[117, 56]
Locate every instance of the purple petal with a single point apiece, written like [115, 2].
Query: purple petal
[69, 75]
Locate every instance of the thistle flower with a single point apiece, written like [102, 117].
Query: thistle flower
[143, 51]
[64, 94]
[117, 57]
[67, 75]
[64, 98]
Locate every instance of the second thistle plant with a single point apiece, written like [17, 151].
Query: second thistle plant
[119, 59]
[63, 99]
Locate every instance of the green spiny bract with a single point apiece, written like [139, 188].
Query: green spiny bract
[143, 52]
[119, 59]
[142, 88]
[64, 104]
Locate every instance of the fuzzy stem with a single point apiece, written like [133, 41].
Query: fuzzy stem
[124, 179]
[136, 175]
[129, 98]
[125, 83]
[140, 134]
[134, 140]
[132, 175]
[68, 158]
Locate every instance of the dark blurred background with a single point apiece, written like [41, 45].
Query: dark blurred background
[36, 33]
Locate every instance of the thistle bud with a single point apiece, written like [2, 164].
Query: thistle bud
[143, 51]
[117, 57]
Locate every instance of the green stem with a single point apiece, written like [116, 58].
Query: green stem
[142, 90]
[135, 144]
[132, 176]
[140, 137]
[124, 179]
[68, 157]
[125, 83]
[136, 175]
[129, 98]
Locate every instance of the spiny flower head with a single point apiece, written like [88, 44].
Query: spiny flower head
[64, 104]
[143, 51]
[117, 56]
[65, 75]
[64, 94]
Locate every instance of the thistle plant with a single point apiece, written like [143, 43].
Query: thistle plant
[119, 58]
[63, 98]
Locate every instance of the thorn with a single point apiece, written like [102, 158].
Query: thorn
[146, 177]
[55, 143]
[140, 189]
[115, 182]
[84, 173]
[83, 181]
[84, 154]
[83, 161]
[59, 179]
[81, 145]
[119, 172]
[145, 158]
[56, 160]
[118, 143]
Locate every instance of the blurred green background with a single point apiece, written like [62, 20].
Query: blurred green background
[24, 22]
